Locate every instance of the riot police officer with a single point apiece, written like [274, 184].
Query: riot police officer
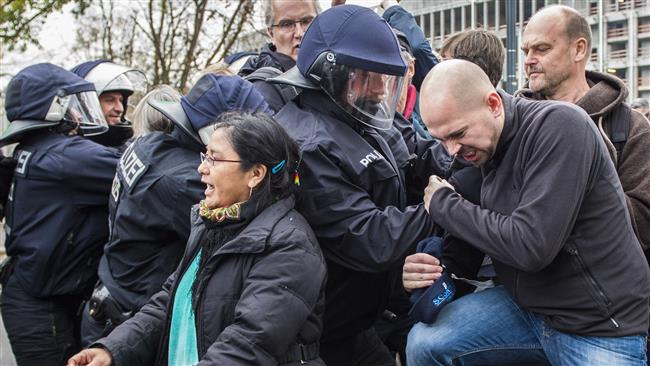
[155, 186]
[56, 210]
[355, 172]
[116, 86]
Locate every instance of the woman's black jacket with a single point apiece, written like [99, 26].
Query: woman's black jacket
[262, 305]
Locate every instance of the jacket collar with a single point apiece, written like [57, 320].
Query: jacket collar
[254, 237]
[510, 128]
[321, 103]
[283, 61]
[185, 141]
[268, 57]
[606, 92]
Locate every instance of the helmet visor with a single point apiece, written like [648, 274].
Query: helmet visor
[82, 109]
[369, 97]
[133, 86]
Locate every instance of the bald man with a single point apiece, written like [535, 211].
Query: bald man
[554, 220]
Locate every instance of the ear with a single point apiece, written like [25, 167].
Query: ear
[269, 32]
[256, 174]
[581, 50]
[411, 69]
[494, 103]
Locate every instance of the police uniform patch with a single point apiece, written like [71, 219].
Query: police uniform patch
[115, 189]
[22, 159]
[131, 167]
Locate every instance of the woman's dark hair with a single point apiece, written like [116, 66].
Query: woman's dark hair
[259, 139]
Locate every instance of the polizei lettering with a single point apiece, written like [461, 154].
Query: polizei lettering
[372, 156]
[131, 167]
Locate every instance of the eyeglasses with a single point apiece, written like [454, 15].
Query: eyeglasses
[212, 161]
[287, 25]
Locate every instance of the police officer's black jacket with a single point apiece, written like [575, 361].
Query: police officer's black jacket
[57, 212]
[155, 186]
[353, 194]
[264, 294]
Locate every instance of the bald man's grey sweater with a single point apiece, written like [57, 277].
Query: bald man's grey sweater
[553, 218]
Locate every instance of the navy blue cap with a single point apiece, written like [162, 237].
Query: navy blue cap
[31, 92]
[237, 55]
[428, 302]
[211, 96]
[357, 36]
[84, 68]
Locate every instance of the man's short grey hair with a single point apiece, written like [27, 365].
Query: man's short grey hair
[147, 119]
[268, 11]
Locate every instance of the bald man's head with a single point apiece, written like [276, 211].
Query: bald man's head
[460, 107]
[574, 25]
[556, 44]
[456, 82]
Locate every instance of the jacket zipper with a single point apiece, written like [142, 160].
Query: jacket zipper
[164, 340]
[574, 251]
[198, 325]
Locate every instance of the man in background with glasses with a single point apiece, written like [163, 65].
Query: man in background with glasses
[286, 23]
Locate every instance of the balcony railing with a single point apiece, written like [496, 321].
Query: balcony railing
[644, 52]
[643, 81]
[616, 32]
[593, 10]
[627, 5]
[644, 28]
[618, 55]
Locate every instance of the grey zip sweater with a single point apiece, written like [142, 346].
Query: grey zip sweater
[554, 219]
[606, 94]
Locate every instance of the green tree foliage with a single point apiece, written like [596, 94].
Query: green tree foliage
[169, 39]
[21, 20]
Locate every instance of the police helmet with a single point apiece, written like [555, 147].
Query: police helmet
[45, 95]
[352, 54]
[211, 96]
[108, 76]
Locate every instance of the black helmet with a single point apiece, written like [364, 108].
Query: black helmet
[45, 95]
[352, 54]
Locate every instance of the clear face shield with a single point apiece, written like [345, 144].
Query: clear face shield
[132, 83]
[80, 109]
[369, 97]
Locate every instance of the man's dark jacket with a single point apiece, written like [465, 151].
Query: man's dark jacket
[155, 186]
[606, 96]
[56, 217]
[553, 217]
[353, 194]
[264, 295]
[268, 57]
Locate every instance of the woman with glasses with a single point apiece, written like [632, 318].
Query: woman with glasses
[250, 287]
